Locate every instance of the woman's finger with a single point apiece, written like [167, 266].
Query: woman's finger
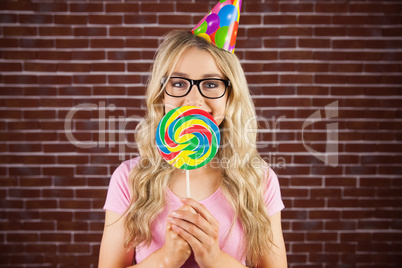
[196, 220]
[192, 229]
[194, 243]
[201, 209]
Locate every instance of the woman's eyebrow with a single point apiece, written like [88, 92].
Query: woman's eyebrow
[177, 74]
[210, 75]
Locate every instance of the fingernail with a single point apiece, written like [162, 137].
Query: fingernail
[174, 213]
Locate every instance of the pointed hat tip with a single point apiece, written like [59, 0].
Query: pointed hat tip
[220, 25]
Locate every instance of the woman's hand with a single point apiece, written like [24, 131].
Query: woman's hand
[176, 250]
[201, 231]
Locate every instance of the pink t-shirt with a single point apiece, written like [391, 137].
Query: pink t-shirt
[230, 240]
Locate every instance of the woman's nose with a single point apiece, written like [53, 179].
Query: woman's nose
[194, 97]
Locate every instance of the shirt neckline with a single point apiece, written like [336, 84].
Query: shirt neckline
[210, 198]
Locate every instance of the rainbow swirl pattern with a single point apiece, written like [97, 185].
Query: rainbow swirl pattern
[187, 137]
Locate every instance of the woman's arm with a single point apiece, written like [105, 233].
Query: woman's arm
[277, 256]
[113, 254]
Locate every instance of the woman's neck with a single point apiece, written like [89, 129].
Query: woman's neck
[204, 181]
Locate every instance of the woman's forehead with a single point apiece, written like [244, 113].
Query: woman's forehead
[195, 63]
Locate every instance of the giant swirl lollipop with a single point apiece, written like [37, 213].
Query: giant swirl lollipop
[187, 138]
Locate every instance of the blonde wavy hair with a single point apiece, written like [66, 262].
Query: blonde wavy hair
[243, 177]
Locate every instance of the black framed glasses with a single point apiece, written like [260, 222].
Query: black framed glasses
[210, 88]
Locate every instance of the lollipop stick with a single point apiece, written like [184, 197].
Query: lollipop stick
[188, 183]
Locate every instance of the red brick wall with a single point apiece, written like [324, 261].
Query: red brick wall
[299, 57]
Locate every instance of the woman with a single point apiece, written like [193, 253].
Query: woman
[233, 218]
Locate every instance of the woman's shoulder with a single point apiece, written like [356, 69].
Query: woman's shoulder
[269, 174]
[128, 165]
[118, 196]
[270, 182]
[272, 192]
[131, 163]
[122, 172]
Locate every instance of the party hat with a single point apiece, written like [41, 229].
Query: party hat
[220, 25]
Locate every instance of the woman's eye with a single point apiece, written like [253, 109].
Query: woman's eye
[210, 85]
[178, 84]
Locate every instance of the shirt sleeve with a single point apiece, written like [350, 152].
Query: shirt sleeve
[272, 194]
[118, 195]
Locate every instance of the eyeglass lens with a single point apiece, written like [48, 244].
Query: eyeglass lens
[211, 88]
